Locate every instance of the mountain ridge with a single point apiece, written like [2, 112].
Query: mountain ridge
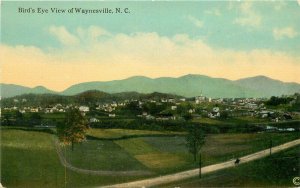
[189, 85]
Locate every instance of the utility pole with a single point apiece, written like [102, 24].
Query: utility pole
[200, 165]
[271, 146]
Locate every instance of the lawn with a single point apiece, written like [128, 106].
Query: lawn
[277, 170]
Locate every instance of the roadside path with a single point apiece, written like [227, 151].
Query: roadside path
[195, 172]
[96, 172]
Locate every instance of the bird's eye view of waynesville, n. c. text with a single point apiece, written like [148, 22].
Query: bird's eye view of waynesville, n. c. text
[140, 94]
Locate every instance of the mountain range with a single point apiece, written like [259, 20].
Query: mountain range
[189, 86]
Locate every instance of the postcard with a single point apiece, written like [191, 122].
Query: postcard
[150, 94]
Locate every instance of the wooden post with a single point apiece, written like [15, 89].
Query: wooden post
[65, 167]
[271, 147]
[200, 165]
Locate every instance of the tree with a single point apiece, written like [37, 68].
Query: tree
[35, 118]
[187, 116]
[74, 128]
[195, 139]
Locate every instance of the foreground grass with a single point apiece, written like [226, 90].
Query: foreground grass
[29, 159]
[102, 155]
[169, 154]
[277, 170]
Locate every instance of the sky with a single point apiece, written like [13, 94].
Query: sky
[227, 39]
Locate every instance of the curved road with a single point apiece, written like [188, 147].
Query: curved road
[191, 173]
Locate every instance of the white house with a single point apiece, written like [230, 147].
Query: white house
[216, 109]
[84, 109]
[94, 120]
[111, 115]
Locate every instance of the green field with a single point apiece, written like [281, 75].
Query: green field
[102, 155]
[236, 120]
[118, 133]
[277, 170]
[169, 154]
[29, 158]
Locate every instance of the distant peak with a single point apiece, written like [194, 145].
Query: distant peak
[138, 77]
[258, 77]
[194, 76]
[39, 87]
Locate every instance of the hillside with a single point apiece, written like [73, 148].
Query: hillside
[193, 85]
[188, 86]
[10, 90]
[87, 97]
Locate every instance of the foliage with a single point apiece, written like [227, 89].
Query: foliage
[275, 101]
[195, 139]
[74, 128]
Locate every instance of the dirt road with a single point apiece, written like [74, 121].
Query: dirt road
[191, 173]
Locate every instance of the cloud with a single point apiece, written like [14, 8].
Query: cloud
[117, 56]
[214, 11]
[279, 5]
[195, 21]
[248, 16]
[63, 35]
[286, 32]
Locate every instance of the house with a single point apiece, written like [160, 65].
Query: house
[94, 120]
[48, 110]
[265, 113]
[171, 100]
[290, 129]
[84, 109]
[22, 111]
[271, 128]
[216, 109]
[165, 116]
[191, 111]
[251, 105]
[213, 115]
[199, 99]
[149, 117]
[112, 115]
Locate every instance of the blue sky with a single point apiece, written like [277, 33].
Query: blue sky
[233, 29]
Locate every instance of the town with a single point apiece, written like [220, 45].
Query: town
[158, 107]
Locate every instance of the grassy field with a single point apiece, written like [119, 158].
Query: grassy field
[102, 155]
[29, 158]
[117, 133]
[235, 120]
[168, 154]
[277, 170]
